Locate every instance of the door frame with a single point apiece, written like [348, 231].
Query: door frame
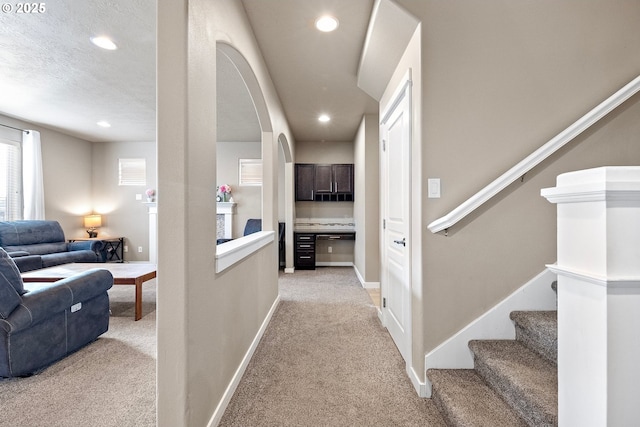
[403, 91]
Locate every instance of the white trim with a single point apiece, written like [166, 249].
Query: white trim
[454, 353]
[289, 270]
[607, 282]
[334, 264]
[536, 157]
[233, 385]
[402, 92]
[366, 285]
[233, 251]
[423, 389]
[398, 95]
[609, 192]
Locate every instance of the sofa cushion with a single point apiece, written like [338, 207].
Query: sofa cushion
[9, 298]
[10, 272]
[29, 232]
[40, 248]
[49, 260]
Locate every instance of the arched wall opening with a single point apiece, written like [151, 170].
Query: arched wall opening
[230, 252]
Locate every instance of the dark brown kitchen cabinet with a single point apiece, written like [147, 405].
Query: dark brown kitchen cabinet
[305, 176]
[329, 183]
[305, 251]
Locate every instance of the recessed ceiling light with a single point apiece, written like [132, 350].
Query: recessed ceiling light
[104, 42]
[104, 124]
[324, 118]
[326, 23]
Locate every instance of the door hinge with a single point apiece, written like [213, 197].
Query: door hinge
[384, 303]
[384, 224]
[384, 145]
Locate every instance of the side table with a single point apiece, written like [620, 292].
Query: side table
[114, 247]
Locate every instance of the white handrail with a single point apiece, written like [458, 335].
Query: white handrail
[536, 157]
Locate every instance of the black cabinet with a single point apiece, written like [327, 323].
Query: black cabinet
[305, 176]
[305, 251]
[324, 182]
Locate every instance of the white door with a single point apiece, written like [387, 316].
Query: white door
[395, 130]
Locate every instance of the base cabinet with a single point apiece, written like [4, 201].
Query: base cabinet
[305, 251]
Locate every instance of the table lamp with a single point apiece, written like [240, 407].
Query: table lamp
[91, 222]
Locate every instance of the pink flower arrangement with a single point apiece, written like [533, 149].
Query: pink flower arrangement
[225, 189]
[150, 192]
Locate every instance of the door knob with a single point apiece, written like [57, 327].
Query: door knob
[402, 242]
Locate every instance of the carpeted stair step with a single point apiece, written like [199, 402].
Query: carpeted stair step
[464, 399]
[538, 330]
[525, 381]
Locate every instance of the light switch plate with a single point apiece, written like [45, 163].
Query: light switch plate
[434, 188]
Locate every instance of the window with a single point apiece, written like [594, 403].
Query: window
[10, 180]
[250, 171]
[132, 172]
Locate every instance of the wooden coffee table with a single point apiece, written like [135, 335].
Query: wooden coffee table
[123, 274]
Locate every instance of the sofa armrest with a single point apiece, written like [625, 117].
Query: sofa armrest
[17, 254]
[28, 263]
[83, 245]
[46, 299]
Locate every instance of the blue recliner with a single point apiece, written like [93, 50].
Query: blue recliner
[43, 322]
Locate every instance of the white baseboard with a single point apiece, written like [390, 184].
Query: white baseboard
[233, 385]
[418, 385]
[334, 264]
[366, 285]
[454, 353]
[289, 270]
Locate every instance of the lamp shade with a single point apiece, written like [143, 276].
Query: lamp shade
[93, 221]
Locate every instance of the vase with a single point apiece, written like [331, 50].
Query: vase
[225, 197]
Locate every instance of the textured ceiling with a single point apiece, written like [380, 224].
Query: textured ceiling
[53, 76]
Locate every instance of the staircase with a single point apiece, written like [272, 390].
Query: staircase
[513, 383]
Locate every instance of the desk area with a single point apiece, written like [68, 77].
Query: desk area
[323, 242]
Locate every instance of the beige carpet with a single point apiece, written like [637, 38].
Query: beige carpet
[110, 382]
[325, 360]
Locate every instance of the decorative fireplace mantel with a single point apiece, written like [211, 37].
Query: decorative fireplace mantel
[224, 219]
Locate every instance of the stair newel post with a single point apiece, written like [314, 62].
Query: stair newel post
[598, 296]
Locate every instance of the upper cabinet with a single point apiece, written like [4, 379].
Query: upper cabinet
[305, 178]
[324, 183]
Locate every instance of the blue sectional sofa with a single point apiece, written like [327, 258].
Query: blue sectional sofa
[35, 244]
[43, 322]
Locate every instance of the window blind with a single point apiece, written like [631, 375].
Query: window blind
[250, 171]
[132, 172]
[10, 180]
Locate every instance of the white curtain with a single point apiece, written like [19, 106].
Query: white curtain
[32, 181]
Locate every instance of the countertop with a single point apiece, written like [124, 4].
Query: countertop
[324, 225]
